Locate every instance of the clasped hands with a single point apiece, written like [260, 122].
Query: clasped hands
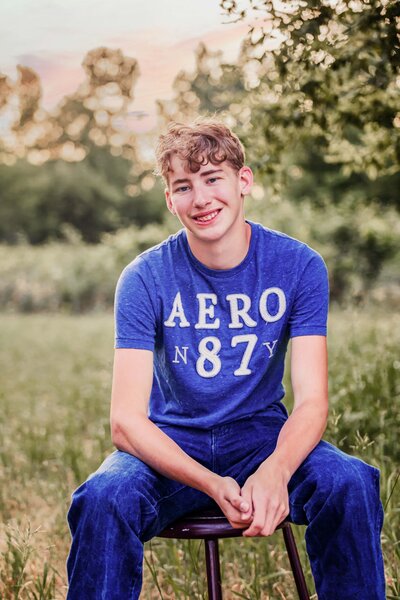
[262, 502]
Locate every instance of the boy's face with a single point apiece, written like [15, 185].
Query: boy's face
[209, 203]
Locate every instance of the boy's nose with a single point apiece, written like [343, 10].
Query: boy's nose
[200, 198]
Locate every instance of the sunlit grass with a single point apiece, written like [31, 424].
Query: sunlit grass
[56, 379]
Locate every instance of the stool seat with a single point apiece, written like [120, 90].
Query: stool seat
[211, 525]
[205, 525]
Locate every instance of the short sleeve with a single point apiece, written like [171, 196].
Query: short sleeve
[310, 308]
[135, 321]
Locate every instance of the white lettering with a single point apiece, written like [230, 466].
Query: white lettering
[182, 355]
[177, 312]
[251, 341]
[268, 318]
[270, 346]
[207, 311]
[240, 313]
[209, 356]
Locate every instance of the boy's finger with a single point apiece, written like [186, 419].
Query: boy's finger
[239, 503]
[246, 505]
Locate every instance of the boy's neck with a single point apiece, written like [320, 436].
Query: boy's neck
[223, 254]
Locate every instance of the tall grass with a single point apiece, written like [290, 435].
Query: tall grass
[54, 400]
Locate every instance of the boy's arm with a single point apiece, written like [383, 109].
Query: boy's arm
[266, 491]
[133, 432]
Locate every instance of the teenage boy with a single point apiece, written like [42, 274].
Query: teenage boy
[203, 321]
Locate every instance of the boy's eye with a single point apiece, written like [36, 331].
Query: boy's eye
[182, 188]
[213, 179]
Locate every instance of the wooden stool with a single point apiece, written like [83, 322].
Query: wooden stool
[210, 525]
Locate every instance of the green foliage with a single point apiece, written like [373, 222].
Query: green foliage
[213, 86]
[89, 197]
[54, 428]
[355, 240]
[73, 277]
[332, 80]
[88, 118]
[87, 177]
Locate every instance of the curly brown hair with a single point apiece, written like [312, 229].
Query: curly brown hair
[196, 144]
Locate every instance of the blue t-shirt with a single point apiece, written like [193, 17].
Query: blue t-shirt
[219, 337]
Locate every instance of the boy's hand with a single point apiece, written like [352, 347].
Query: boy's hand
[227, 496]
[267, 495]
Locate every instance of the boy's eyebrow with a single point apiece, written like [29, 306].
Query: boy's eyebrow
[203, 174]
[210, 172]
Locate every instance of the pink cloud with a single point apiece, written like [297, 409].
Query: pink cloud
[60, 74]
[160, 62]
[159, 54]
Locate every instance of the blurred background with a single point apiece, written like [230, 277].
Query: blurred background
[313, 91]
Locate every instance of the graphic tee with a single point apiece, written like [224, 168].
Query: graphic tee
[219, 337]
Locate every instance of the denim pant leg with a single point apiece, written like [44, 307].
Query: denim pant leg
[337, 496]
[122, 505]
[333, 493]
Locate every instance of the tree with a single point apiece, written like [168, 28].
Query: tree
[47, 202]
[213, 86]
[329, 79]
[75, 168]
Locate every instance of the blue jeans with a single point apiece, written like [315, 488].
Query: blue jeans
[126, 503]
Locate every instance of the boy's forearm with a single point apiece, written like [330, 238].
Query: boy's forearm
[142, 438]
[299, 436]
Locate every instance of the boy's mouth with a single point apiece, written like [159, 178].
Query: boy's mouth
[207, 217]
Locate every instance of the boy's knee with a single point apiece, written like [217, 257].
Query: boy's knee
[107, 495]
[330, 473]
[95, 494]
[350, 482]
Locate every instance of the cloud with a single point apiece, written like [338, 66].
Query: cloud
[161, 58]
[160, 55]
[60, 74]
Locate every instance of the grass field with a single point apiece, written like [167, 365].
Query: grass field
[55, 389]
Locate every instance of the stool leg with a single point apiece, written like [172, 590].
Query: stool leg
[295, 562]
[213, 569]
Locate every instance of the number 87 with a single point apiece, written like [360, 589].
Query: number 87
[210, 355]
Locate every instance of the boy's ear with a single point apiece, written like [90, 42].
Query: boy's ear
[168, 201]
[246, 180]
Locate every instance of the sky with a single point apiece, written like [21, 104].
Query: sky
[53, 36]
